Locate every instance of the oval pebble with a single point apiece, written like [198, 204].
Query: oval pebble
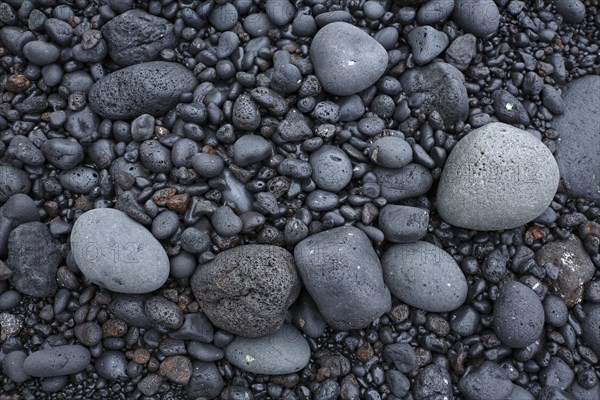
[424, 276]
[57, 361]
[331, 168]
[284, 352]
[518, 315]
[118, 253]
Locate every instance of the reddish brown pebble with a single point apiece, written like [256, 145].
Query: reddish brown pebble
[162, 196]
[177, 369]
[139, 356]
[16, 83]
[179, 202]
[114, 328]
[364, 352]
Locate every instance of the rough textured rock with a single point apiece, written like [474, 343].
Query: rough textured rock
[343, 276]
[488, 382]
[518, 315]
[34, 256]
[283, 352]
[149, 88]
[346, 59]
[591, 329]
[424, 276]
[136, 36]
[118, 253]
[575, 268]
[481, 17]
[12, 181]
[443, 89]
[578, 147]
[248, 289]
[501, 176]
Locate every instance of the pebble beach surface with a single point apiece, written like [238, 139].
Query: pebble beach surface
[308, 199]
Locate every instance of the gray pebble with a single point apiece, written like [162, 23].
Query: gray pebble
[136, 36]
[555, 311]
[427, 43]
[572, 11]
[424, 276]
[207, 165]
[225, 222]
[247, 289]
[578, 148]
[155, 156]
[257, 24]
[223, 17]
[82, 125]
[509, 109]
[13, 181]
[442, 88]
[464, 320]
[488, 382]
[41, 53]
[331, 168]
[33, 256]
[228, 42]
[130, 308]
[497, 166]
[64, 154]
[552, 100]
[346, 59]
[283, 352]
[204, 351]
[280, 12]
[250, 149]
[118, 253]
[24, 150]
[12, 366]
[163, 312]
[434, 11]
[206, 381]
[57, 361]
[557, 374]
[183, 151]
[295, 168]
[79, 180]
[142, 128]
[321, 200]
[9, 299]
[432, 380]
[397, 184]
[591, 329]
[196, 326]
[153, 88]
[59, 31]
[403, 224]
[88, 333]
[111, 365]
[21, 208]
[390, 152]
[402, 356]
[518, 315]
[461, 51]
[307, 318]
[481, 18]
[342, 273]
[245, 114]
[183, 265]
[165, 225]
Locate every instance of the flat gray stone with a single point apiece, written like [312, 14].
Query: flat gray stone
[424, 276]
[57, 361]
[496, 177]
[117, 253]
[342, 273]
[578, 146]
[346, 59]
[283, 352]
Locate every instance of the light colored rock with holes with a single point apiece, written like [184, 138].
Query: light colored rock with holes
[496, 177]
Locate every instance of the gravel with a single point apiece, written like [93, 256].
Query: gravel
[283, 169]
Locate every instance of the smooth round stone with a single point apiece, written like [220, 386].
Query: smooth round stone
[424, 276]
[280, 12]
[434, 11]
[283, 352]
[342, 273]
[572, 11]
[148, 88]
[488, 382]
[591, 329]
[555, 311]
[57, 361]
[225, 222]
[207, 165]
[117, 253]
[501, 176]
[250, 149]
[12, 366]
[518, 315]
[481, 18]
[518, 393]
[427, 43]
[41, 53]
[403, 224]
[391, 152]
[346, 59]
[111, 365]
[398, 184]
[331, 168]
[578, 147]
